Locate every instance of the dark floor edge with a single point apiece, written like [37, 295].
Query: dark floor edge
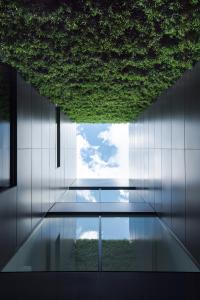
[97, 213]
[107, 188]
[100, 285]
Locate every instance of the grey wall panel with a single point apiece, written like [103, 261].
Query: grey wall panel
[193, 202]
[166, 124]
[132, 134]
[157, 124]
[45, 123]
[144, 165]
[4, 167]
[70, 135]
[7, 225]
[70, 153]
[63, 130]
[57, 190]
[36, 187]
[166, 185]
[36, 112]
[52, 174]
[23, 113]
[39, 181]
[136, 134]
[151, 178]
[23, 194]
[178, 193]
[52, 127]
[5, 124]
[151, 128]
[192, 109]
[45, 180]
[175, 169]
[62, 170]
[145, 130]
[178, 120]
[158, 182]
[4, 132]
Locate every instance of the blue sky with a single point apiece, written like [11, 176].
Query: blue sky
[102, 150]
[98, 196]
[93, 135]
[88, 228]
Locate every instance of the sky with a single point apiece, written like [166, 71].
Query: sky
[88, 228]
[103, 150]
[102, 196]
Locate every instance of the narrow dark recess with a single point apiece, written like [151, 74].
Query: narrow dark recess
[58, 135]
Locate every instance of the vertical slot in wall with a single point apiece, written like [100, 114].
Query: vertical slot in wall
[58, 135]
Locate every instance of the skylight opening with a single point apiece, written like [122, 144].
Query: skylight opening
[103, 151]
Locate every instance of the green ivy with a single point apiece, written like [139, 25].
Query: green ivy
[101, 61]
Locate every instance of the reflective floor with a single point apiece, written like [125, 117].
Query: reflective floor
[101, 244]
[101, 202]
[103, 196]
[103, 183]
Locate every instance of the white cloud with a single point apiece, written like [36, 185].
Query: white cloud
[116, 135]
[89, 235]
[123, 196]
[87, 195]
[83, 170]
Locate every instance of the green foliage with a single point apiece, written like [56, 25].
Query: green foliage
[101, 61]
[117, 255]
[120, 255]
[84, 256]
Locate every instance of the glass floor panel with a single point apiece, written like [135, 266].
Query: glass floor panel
[103, 196]
[85, 196]
[101, 244]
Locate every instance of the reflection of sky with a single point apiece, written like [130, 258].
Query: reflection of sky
[89, 196]
[102, 150]
[112, 228]
[115, 228]
[114, 196]
[87, 228]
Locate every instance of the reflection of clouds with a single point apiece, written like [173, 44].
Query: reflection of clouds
[86, 195]
[108, 159]
[89, 235]
[86, 227]
[78, 231]
[115, 228]
[123, 196]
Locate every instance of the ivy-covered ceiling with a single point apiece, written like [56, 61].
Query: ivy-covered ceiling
[101, 61]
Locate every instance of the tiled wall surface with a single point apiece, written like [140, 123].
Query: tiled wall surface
[165, 157]
[39, 182]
